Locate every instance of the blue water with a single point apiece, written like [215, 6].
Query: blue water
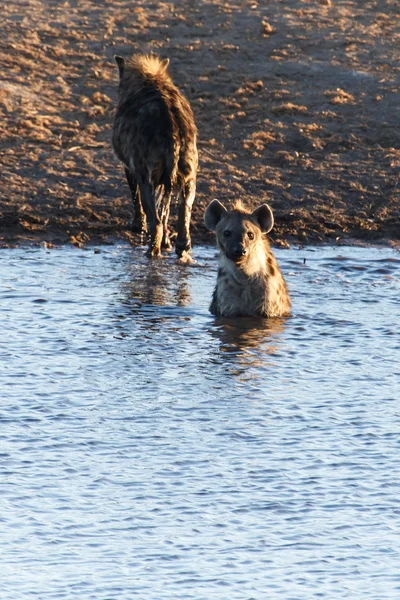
[148, 450]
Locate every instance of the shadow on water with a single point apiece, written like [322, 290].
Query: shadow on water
[156, 283]
[236, 335]
[247, 342]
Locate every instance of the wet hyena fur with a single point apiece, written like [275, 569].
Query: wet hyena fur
[249, 281]
[154, 136]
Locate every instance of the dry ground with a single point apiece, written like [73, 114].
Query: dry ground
[296, 101]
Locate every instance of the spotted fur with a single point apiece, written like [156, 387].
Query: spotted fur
[249, 281]
[154, 136]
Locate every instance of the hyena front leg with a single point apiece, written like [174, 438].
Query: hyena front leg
[155, 227]
[139, 218]
[186, 199]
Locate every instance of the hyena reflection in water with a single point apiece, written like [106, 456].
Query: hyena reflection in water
[154, 136]
[249, 281]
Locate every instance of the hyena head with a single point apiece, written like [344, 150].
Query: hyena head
[136, 71]
[142, 65]
[241, 235]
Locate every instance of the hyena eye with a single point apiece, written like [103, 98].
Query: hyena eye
[227, 233]
[250, 235]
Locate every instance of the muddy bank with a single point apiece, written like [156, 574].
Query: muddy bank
[296, 104]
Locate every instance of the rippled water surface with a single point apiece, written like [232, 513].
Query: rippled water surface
[150, 451]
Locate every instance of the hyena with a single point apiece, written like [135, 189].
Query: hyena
[154, 136]
[249, 281]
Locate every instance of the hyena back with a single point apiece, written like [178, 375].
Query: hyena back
[154, 136]
[249, 281]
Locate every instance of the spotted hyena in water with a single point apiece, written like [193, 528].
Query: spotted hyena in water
[249, 281]
[154, 136]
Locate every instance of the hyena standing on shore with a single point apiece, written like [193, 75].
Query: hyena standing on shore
[249, 281]
[154, 136]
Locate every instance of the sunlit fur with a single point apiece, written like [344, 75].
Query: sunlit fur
[148, 64]
[252, 284]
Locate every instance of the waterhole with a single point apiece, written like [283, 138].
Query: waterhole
[149, 450]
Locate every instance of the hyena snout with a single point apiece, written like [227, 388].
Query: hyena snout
[236, 251]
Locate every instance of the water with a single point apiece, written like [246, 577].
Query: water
[148, 450]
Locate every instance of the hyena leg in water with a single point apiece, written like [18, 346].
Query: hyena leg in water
[139, 218]
[165, 207]
[154, 225]
[186, 199]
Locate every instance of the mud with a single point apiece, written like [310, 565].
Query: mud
[296, 104]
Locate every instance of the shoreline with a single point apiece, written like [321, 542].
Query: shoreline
[82, 240]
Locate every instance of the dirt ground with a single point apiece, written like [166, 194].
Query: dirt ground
[296, 102]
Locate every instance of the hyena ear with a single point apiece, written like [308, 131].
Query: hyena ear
[265, 218]
[121, 64]
[165, 64]
[214, 213]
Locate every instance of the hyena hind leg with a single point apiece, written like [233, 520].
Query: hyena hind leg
[186, 199]
[165, 208]
[139, 217]
[154, 224]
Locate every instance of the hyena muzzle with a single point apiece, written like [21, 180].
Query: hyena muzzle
[154, 136]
